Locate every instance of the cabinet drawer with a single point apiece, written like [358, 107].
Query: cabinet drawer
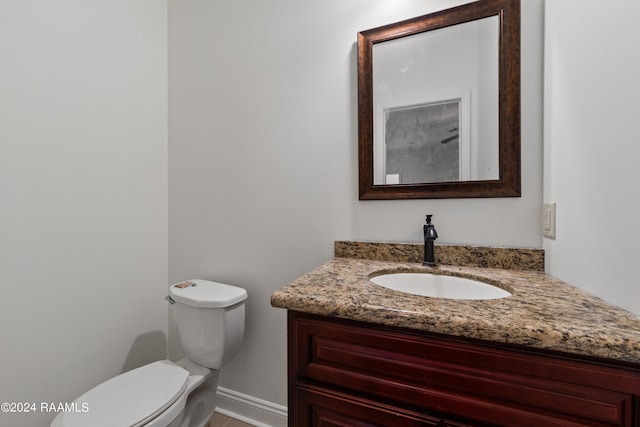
[318, 407]
[463, 379]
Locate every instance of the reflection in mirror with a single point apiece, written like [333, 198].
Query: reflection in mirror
[430, 93]
[439, 104]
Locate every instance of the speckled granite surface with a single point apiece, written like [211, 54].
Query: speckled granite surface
[542, 312]
[472, 256]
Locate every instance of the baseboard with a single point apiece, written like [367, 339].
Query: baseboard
[249, 409]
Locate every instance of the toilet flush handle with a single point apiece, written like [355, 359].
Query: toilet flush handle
[171, 300]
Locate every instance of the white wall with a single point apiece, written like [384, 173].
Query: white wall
[263, 156]
[83, 195]
[592, 145]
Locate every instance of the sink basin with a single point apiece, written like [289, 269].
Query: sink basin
[439, 286]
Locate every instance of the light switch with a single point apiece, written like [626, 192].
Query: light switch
[549, 220]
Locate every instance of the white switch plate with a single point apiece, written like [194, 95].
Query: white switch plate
[549, 220]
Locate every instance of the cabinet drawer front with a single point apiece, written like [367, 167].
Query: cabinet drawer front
[320, 407]
[458, 378]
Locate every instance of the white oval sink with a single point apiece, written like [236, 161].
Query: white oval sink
[439, 286]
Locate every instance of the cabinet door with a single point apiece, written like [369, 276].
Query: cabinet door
[319, 407]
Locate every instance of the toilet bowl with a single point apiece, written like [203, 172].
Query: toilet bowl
[209, 318]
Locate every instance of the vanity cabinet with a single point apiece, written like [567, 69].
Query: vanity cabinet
[355, 374]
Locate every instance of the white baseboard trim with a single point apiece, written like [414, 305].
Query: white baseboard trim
[249, 409]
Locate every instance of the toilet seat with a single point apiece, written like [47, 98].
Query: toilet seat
[131, 399]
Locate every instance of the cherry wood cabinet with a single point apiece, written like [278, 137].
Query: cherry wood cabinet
[347, 373]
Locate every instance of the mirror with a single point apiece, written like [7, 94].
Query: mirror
[439, 105]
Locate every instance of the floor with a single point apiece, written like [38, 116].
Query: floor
[219, 420]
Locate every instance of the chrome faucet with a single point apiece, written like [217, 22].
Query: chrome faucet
[430, 234]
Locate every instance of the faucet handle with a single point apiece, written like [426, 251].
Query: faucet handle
[429, 218]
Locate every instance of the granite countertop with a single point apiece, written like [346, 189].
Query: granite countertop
[542, 312]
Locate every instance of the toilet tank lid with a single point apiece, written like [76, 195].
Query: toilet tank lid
[206, 294]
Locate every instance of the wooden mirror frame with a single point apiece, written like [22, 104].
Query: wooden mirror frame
[508, 182]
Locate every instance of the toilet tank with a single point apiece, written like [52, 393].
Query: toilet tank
[209, 318]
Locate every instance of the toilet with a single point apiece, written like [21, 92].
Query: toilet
[209, 318]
